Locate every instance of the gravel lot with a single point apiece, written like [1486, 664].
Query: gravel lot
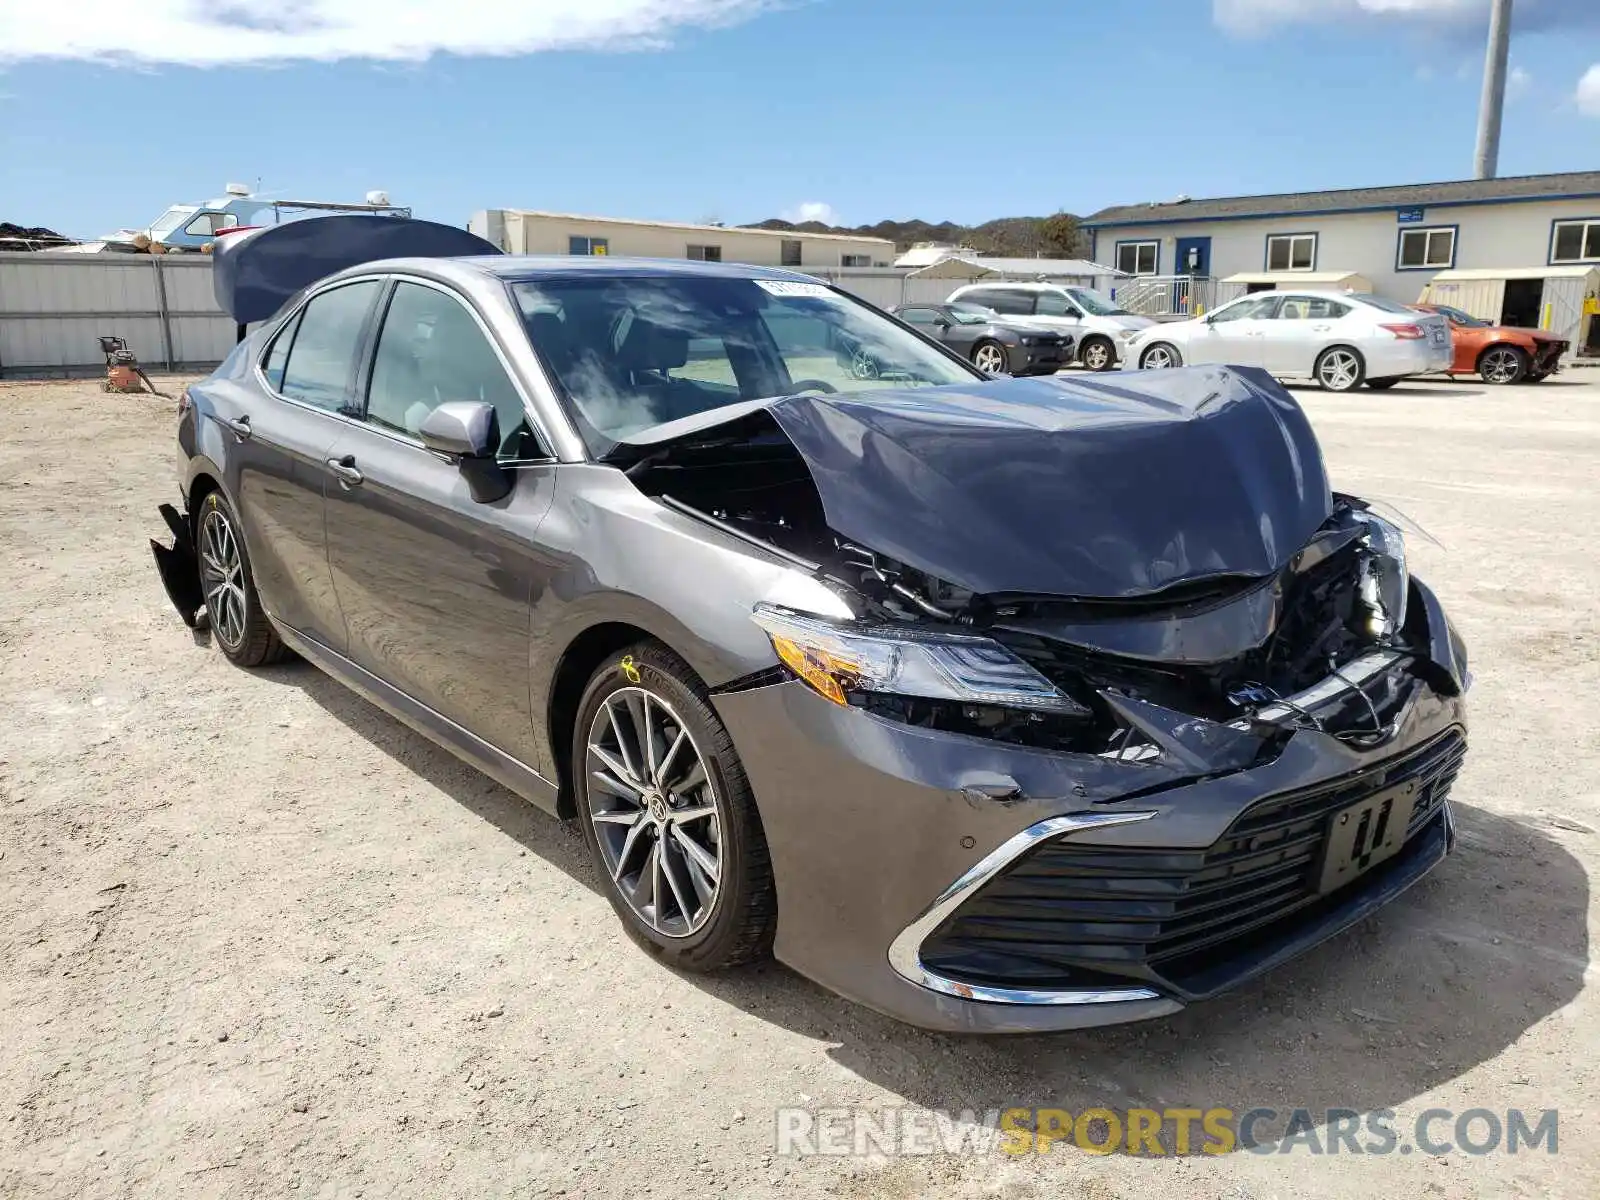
[259, 939]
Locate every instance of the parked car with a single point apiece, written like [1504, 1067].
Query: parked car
[1340, 339]
[996, 705]
[989, 342]
[1499, 353]
[1101, 328]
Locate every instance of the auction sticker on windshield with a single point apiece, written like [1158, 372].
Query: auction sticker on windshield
[783, 287]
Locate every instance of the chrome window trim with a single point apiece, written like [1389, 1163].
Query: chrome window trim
[529, 410]
[905, 952]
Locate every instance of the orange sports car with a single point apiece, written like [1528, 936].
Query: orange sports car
[1499, 353]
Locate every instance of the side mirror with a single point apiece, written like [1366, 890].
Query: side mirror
[467, 433]
[942, 323]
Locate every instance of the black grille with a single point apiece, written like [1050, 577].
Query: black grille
[1076, 915]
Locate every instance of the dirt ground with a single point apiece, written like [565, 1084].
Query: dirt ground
[259, 939]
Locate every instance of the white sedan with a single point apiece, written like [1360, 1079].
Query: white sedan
[1340, 339]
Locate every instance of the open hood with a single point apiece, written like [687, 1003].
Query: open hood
[1086, 488]
[258, 270]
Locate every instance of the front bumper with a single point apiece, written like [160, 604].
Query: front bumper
[890, 844]
[1040, 359]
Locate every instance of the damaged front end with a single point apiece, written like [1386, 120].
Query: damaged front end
[1168, 693]
[1203, 673]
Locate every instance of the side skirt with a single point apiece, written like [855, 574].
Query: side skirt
[497, 764]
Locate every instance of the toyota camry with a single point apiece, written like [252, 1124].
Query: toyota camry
[997, 705]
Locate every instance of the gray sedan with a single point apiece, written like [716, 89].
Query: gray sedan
[991, 343]
[996, 705]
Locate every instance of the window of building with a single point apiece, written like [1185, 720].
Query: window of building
[1138, 258]
[705, 253]
[1575, 241]
[855, 260]
[588, 245]
[1292, 252]
[1421, 249]
[790, 253]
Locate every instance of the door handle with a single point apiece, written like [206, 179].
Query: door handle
[345, 469]
[240, 426]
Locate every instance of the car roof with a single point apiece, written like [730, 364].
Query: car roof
[513, 267]
[1032, 286]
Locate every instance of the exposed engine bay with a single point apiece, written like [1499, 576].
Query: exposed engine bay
[1220, 647]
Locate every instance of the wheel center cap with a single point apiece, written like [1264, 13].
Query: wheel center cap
[656, 805]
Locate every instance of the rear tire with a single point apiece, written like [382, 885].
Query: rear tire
[233, 608]
[1340, 369]
[1382, 385]
[1097, 353]
[1502, 365]
[706, 901]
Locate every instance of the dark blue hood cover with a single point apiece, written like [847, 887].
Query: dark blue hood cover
[258, 270]
[1072, 487]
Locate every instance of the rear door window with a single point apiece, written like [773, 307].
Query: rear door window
[320, 368]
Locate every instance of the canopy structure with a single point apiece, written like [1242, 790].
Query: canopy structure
[1019, 269]
[258, 270]
[1343, 280]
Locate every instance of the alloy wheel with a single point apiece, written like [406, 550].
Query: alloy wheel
[989, 358]
[1340, 370]
[654, 812]
[1096, 355]
[1158, 358]
[1500, 366]
[863, 365]
[222, 577]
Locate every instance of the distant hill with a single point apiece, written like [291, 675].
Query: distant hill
[1056, 236]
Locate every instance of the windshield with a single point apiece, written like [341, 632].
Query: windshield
[171, 219]
[1096, 305]
[631, 353]
[967, 315]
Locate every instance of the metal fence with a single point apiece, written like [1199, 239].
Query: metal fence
[1167, 295]
[55, 307]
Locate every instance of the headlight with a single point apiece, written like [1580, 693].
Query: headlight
[836, 660]
[1129, 334]
[1385, 578]
[1030, 341]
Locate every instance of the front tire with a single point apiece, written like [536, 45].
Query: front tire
[1502, 365]
[668, 814]
[1340, 369]
[233, 608]
[1160, 357]
[990, 356]
[1097, 353]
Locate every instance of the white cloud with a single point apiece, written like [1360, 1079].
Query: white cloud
[812, 210]
[1263, 16]
[1518, 81]
[192, 33]
[1588, 96]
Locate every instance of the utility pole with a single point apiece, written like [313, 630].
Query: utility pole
[1486, 164]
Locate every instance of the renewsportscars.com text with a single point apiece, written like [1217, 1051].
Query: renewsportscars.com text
[903, 1132]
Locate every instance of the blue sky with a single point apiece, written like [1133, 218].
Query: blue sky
[744, 109]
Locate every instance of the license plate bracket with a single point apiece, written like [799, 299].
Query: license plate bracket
[1365, 834]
